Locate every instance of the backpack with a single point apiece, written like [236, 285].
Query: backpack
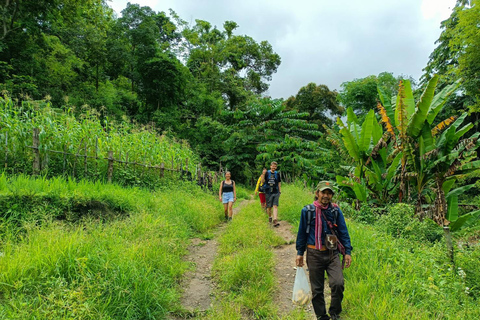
[311, 212]
[265, 186]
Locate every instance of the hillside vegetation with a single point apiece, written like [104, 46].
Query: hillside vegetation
[123, 258]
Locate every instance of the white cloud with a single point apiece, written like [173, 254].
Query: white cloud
[327, 42]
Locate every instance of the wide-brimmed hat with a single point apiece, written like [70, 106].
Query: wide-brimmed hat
[324, 185]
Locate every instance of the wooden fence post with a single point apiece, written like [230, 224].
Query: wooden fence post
[64, 157]
[85, 160]
[36, 152]
[6, 148]
[199, 174]
[96, 157]
[162, 170]
[110, 166]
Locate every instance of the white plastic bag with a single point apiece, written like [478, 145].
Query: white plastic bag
[302, 294]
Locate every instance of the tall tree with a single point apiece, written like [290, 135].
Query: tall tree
[265, 131]
[320, 103]
[361, 94]
[466, 40]
[236, 66]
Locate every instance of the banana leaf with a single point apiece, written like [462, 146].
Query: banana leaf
[387, 103]
[360, 191]
[447, 185]
[351, 116]
[465, 219]
[409, 100]
[458, 191]
[367, 132]
[452, 208]
[417, 121]
[440, 99]
[393, 167]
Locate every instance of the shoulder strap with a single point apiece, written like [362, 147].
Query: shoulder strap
[335, 213]
[310, 213]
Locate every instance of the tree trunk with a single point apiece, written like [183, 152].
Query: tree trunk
[439, 216]
[448, 240]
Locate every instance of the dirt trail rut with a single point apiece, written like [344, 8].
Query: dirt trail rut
[285, 270]
[198, 284]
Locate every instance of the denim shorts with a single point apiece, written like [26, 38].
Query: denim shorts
[227, 197]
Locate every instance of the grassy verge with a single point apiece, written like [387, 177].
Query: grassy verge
[292, 200]
[399, 279]
[389, 279]
[92, 268]
[244, 267]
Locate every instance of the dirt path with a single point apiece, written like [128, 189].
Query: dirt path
[198, 284]
[285, 270]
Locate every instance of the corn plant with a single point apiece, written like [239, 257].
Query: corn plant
[88, 137]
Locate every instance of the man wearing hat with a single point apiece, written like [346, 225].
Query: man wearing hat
[324, 235]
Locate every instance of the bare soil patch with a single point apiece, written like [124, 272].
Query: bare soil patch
[285, 270]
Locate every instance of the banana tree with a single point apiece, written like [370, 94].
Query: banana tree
[361, 141]
[412, 131]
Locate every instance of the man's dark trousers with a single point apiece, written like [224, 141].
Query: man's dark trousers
[318, 263]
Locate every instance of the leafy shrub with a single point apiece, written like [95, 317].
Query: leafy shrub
[367, 214]
[467, 260]
[401, 222]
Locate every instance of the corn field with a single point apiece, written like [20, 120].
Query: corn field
[79, 146]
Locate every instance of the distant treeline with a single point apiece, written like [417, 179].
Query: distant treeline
[197, 81]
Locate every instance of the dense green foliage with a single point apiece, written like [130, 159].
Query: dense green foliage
[184, 79]
[361, 94]
[62, 131]
[97, 267]
[412, 157]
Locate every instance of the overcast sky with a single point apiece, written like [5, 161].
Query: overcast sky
[326, 42]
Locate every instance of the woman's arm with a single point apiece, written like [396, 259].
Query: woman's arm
[234, 192]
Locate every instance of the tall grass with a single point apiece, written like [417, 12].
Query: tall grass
[125, 268]
[244, 267]
[292, 200]
[400, 279]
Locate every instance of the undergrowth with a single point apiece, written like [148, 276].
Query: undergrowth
[95, 268]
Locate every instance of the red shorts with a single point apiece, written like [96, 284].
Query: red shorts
[261, 195]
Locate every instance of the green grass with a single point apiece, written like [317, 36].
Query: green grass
[129, 265]
[125, 268]
[400, 279]
[244, 267]
[292, 200]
